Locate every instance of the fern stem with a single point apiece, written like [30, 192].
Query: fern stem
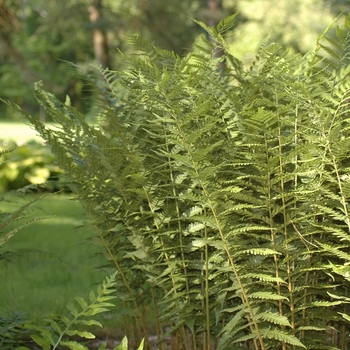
[126, 284]
[178, 215]
[344, 333]
[207, 306]
[273, 230]
[284, 209]
[158, 324]
[341, 192]
[157, 225]
[211, 206]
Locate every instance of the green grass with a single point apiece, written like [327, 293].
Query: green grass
[51, 261]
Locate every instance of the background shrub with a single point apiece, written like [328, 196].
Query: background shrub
[29, 163]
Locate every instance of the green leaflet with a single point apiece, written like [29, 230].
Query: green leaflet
[124, 345]
[283, 337]
[73, 345]
[266, 296]
[274, 318]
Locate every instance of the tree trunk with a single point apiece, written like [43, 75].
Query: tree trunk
[10, 24]
[215, 9]
[215, 14]
[99, 35]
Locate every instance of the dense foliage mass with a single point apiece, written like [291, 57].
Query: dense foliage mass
[219, 194]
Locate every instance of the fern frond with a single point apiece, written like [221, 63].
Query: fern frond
[66, 326]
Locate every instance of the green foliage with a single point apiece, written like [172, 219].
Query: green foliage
[55, 332]
[219, 194]
[124, 345]
[8, 218]
[12, 331]
[28, 163]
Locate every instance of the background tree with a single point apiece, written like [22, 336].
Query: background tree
[100, 39]
[37, 49]
[37, 36]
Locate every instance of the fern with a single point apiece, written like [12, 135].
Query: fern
[12, 331]
[219, 196]
[55, 330]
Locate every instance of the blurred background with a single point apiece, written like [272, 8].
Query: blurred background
[38, 36]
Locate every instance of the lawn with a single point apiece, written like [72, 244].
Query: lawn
[49, 262]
